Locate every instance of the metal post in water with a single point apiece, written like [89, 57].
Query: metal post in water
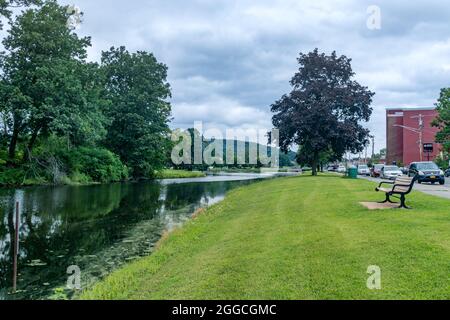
[16, 249]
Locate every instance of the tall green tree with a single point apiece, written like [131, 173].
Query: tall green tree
[6, 6]
[443, 120]
[46, 84]
[136, 85]
[324, 110]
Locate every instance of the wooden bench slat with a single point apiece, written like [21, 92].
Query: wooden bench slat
[404, 180]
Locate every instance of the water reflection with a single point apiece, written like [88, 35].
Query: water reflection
[97, 228]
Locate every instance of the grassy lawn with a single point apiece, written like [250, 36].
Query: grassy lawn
[178, 174]
[297, 238]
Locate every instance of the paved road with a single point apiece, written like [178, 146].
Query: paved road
[435, 190]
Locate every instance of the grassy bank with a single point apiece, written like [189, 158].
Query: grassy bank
[17, 178]
[296, 238]
[178, 174]
[20, 177]
[220, 171]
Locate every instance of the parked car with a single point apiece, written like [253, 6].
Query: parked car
[391, 172]
[363, 170]
[341, 169]
[376, 170]
[427, 172]
[332, 168]
[447, 172]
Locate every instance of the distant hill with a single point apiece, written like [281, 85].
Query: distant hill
[286, 160]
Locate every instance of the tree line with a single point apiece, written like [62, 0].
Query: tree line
[227, 153]
[64, 117]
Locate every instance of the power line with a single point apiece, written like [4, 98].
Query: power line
[418, 130]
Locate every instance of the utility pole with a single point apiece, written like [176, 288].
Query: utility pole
[365, 155]
[420, 130]
[373, 147]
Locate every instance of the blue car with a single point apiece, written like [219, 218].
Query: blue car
[427, 172]
[447, 172]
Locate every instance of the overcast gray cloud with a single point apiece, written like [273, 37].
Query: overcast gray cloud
[229, 60]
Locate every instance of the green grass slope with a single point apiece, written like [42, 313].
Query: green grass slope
[297, 238]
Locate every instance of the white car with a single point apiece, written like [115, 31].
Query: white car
[341, 169]
[363, 170]
[391, 172]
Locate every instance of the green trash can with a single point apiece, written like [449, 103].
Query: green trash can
[353, 173]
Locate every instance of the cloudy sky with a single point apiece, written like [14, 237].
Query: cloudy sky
[230, 60]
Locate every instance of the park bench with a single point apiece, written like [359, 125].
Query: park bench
[399, 188]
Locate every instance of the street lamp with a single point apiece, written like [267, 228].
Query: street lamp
[417, 130]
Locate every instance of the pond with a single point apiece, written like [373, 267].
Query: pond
[96, 228]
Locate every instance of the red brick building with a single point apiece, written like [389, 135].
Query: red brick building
[409, 134]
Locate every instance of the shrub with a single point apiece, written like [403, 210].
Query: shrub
[12, 176]
[80, 178]
[3, 157]
[54, 161]
[99, 164]
[83, 165]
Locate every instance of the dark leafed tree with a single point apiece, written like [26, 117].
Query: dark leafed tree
[443, 120]
[138, 90]
[325, 109]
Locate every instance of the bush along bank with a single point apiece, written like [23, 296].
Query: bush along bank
[53, 165]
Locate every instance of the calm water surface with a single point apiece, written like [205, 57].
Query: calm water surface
[98, 228]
